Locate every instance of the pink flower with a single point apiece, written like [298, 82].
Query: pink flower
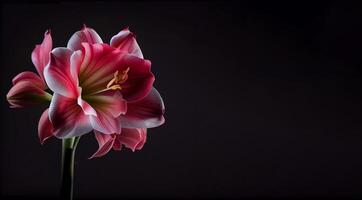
[100, 87]
[29, 88]
[93, 82]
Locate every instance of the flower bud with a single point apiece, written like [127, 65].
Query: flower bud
[25, 93]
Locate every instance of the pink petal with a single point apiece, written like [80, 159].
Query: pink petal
[132, 138]
[40, 55]
[87, 109]
[31, 77]
[140, 79]
[87, 35]
[67, 117]
[26, 93]
[76, 60]
[45, 127]
[125, 40]
[109, 106]
[57, 73]
[146, 113]
[105, 123]
[105, 143]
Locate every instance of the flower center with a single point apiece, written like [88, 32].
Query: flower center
[113, 84]
[118, 79]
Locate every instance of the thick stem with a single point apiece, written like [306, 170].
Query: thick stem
[67, 170]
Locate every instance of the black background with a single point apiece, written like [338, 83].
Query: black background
[263, 100]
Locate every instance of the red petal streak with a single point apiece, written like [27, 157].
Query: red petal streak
[40, 55]
[76, 60]
[45, 127]
[57, 73]
[67, 117]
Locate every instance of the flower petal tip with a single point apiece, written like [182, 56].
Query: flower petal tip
[45, 127]
[42, 141]
[48, 32]
[95, 155]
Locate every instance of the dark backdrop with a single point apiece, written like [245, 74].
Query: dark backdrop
[263, 100]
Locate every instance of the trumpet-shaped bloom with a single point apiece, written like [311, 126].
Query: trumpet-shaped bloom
[96, 86]
[92, 87]
[101, 87]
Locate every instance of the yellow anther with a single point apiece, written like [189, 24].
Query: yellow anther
[115, 87]
[118, 79]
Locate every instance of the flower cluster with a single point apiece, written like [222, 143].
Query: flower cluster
[105, 88]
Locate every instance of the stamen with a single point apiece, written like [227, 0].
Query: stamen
[118, 79]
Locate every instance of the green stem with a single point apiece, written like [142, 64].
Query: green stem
[67, 171]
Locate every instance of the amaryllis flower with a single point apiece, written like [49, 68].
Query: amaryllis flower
[101, 87]
[107, 88]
